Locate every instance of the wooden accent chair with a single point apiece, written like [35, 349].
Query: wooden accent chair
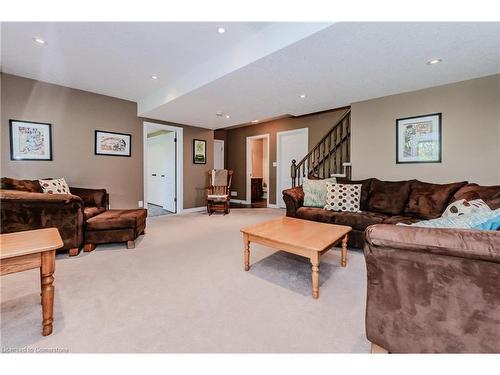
[218, 197]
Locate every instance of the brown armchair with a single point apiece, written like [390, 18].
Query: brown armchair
[433, 290]
[218, 196]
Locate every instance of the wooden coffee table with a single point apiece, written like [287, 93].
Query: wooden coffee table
[309, 239]
[23, 251]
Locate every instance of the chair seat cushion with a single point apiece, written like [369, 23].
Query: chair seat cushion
[117, 219]
[315, 214]
[89, 212]
[217, 197]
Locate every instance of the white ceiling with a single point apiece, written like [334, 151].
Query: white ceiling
[254, 70]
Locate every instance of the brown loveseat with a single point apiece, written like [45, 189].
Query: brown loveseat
[433, 290]
[389, 202]
[81, 217]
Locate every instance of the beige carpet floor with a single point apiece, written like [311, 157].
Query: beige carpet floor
[183, 289]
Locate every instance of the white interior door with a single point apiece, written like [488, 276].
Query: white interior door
[292, 144]
[161, 163]
[218, 154]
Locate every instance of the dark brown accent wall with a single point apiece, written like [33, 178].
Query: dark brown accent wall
[74, 115]
[318, 125]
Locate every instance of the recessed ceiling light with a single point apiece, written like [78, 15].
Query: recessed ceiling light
[302, 96]
[255, 121]
[40, 41]
[154, 77]
[227, 116]
[221, 30]
[434, 61]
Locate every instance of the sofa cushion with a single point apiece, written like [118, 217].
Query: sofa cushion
[489, 194]
[315, 214]
[365, 189]
[343, 197]
[89, 212]
[400, 219]
[388, 197]
[315, 191]
[358, 220]
[428, 201]
[54, 186]
[31, 186]
[117, 219]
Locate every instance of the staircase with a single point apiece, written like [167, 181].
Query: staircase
[330, 157]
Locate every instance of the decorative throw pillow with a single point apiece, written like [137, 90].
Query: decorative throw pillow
[464, 207]
[58, 186]
[343, 197]
[315, 192]
[477, 220]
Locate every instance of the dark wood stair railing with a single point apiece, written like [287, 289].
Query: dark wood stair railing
[330, 156]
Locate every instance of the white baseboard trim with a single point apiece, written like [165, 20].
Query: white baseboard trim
[269, 205]
[193, 209]
[239, 201]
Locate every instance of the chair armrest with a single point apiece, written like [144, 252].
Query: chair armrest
[294, 199]
[91, 197]
[464, 243]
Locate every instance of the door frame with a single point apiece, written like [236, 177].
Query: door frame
[223, 154]
[179, 162]
[278, 161]
[249, 167]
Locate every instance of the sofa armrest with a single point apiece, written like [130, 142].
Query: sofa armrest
[432, 290]
[294, 199]
[22, 211]
[464, 243]
[91, 197]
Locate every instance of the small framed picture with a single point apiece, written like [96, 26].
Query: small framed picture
[30, 140]
[418, 139]
[112, 144]
[199, 151]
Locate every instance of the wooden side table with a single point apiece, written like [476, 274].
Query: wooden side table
[23, 251]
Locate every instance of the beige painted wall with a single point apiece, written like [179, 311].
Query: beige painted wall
[74, 115]
[195, 175]
[470, 125]
[318, 125]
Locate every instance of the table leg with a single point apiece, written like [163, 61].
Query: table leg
[315, 275]
[246, 252]
[343, 261]
[47, 278]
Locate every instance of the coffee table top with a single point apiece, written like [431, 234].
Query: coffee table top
[29, 242]
[306, 234]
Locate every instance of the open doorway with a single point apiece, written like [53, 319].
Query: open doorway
[161, 167]
[258, 171]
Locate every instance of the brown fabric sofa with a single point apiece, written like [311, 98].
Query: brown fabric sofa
[391, 202]
[25, 207]
[433, 290]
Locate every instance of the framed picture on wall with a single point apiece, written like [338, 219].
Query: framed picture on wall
[199, 151]
[419, 139]
[112, 144]
[30, 140]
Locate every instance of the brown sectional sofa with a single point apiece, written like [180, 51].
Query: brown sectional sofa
[429, 290]
[390, 202]
[81, 217]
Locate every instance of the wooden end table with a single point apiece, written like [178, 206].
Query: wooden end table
[23, 251]
[306, 238]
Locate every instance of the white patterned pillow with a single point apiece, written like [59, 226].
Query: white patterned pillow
[343, 197]
[58, 186]
[464, 207]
